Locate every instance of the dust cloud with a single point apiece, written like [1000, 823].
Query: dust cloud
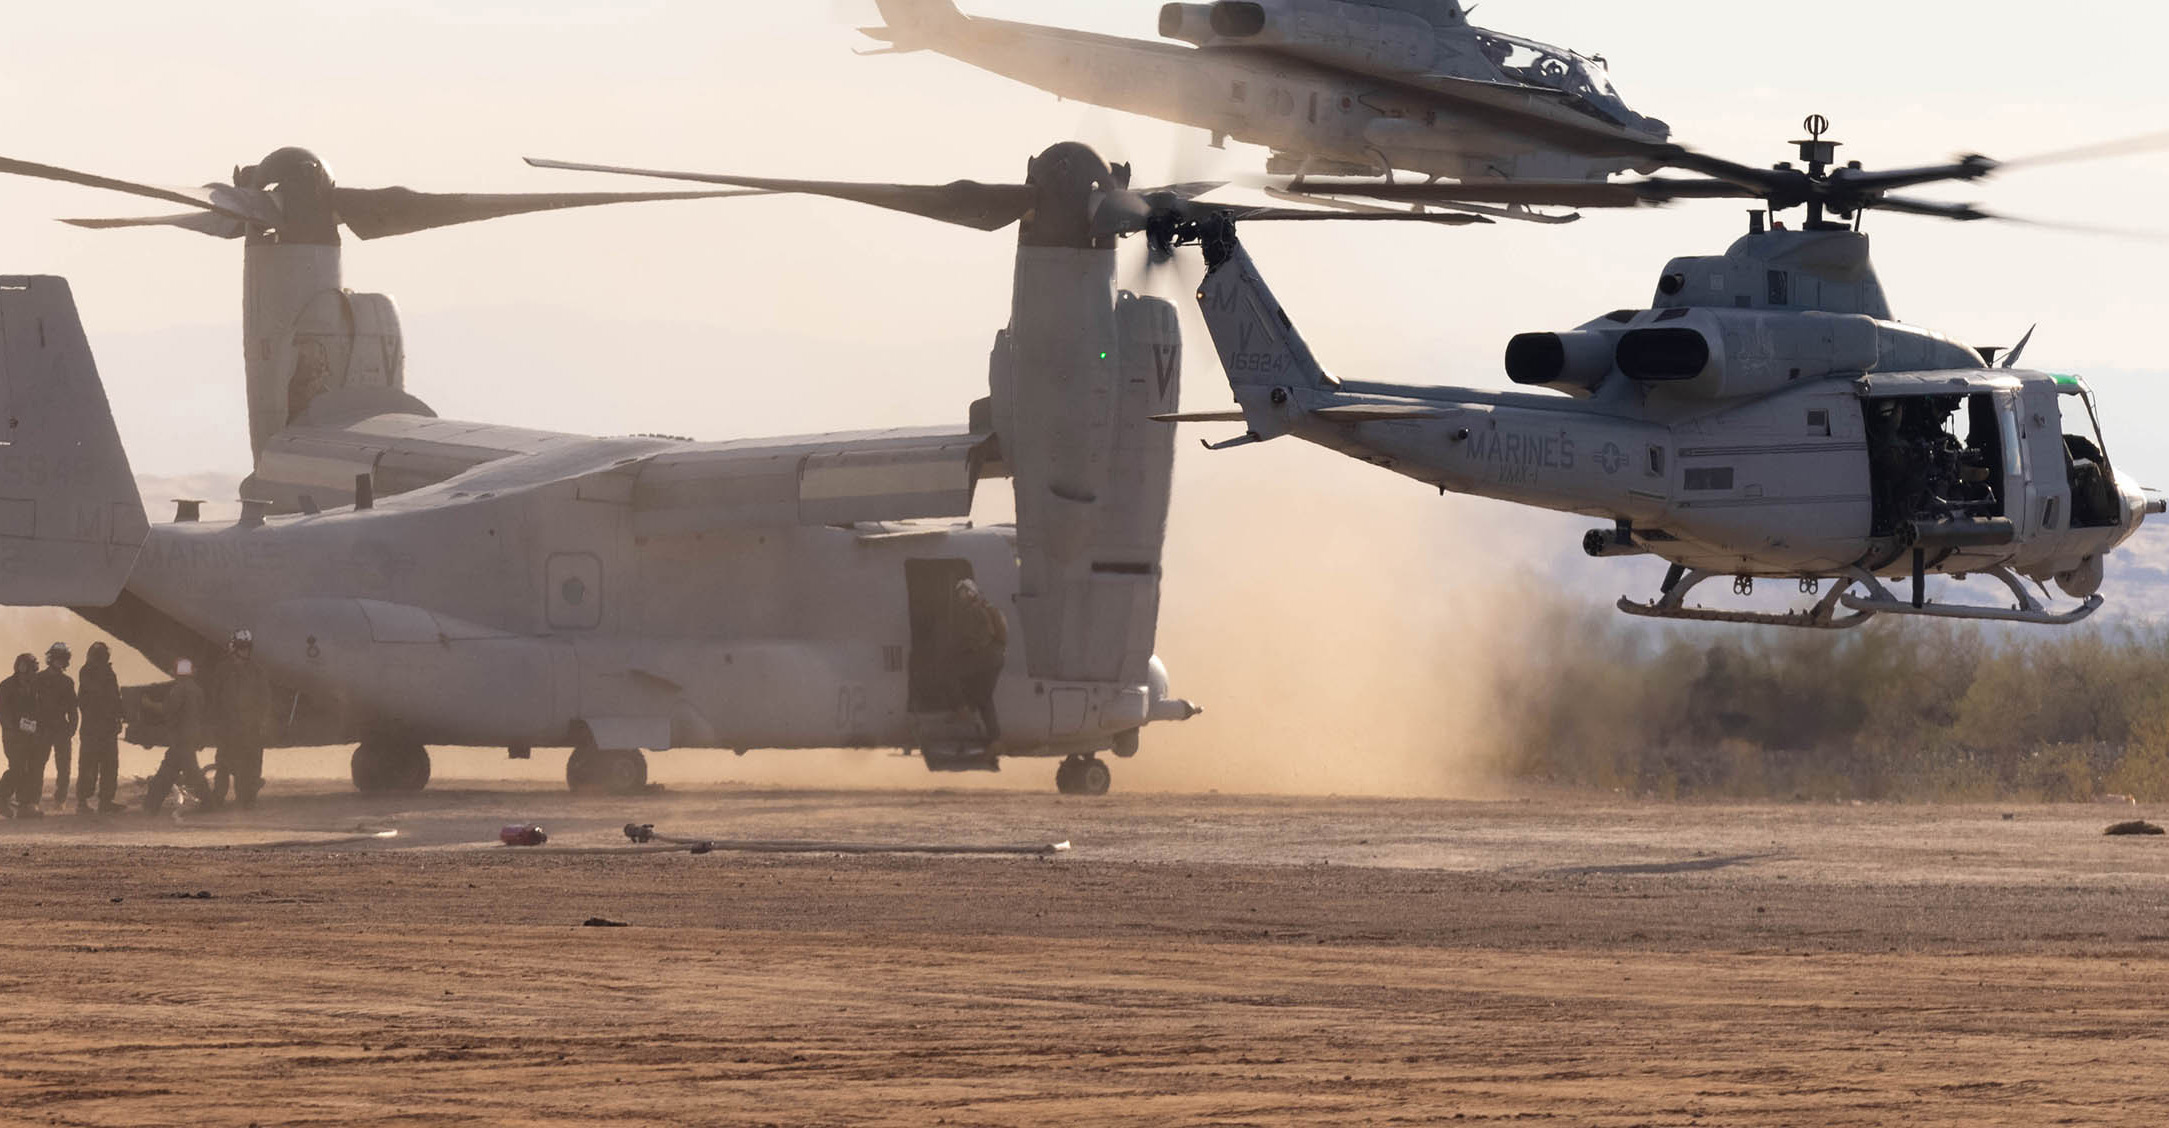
[1338, 624]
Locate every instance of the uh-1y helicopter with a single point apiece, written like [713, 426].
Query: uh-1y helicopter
[411, 580]
[1764, 418]
[1331, 87]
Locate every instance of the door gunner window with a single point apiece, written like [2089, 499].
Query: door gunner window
[1938, 458]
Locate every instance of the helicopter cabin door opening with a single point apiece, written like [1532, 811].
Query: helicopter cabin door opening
[932, 677]
[1944, 465]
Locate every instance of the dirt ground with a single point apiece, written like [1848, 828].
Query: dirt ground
[1192, 960]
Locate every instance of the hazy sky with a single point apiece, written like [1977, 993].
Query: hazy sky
[754, 316]
[749, 317]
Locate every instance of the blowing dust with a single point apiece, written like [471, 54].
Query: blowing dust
[1339, 626]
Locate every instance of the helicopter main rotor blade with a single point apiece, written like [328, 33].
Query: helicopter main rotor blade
[248, 204]
[1872, 181]
[1965, 213]
[2143, 143]
[203, 222]
[374, 213]
[967, 203]
[1536, 193]
[1970, 213]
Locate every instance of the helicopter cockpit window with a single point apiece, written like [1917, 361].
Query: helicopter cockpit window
[1554, 68]
[2086, 461]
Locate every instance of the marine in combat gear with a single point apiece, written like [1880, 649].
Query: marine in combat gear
[183, 713]
[240, 701]
[98, 702]
[25, 775]
[57, 716]
[978, 648]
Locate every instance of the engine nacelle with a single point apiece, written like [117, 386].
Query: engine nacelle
[1362, 36]
[1723, 354]
[1574, 362]
[1191, 23]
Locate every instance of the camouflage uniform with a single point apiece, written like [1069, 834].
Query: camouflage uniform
[25, 776]
[979, 647]
[240, 700]
[98, 699]
[57, 717]
[183, 712]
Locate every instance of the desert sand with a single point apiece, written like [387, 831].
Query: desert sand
[1192, 959]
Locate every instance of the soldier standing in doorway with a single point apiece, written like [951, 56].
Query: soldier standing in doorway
[183, 714]
[240, 700]
[98, 699]
[57, 716]
[25, 776]
[980, 648]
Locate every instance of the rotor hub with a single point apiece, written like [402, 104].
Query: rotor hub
[303, 187]
[1068, 182]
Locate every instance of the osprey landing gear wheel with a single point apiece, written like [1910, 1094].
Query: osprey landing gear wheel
[1083, 775]
[381, 766]
[607, 771]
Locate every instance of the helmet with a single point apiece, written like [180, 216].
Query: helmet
[183, 668]
[60, 648]
[241, 638]
[97, 651]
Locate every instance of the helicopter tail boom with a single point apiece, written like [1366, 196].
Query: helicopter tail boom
[71, 521]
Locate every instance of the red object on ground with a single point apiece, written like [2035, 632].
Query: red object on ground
[522, 834]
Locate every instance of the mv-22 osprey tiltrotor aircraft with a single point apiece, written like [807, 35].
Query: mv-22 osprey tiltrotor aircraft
[1366, 87]
[411, 580]
[1766, 418]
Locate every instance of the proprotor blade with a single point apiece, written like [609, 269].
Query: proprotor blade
[204, 222]
[241, 203]
[374, 213]
[967, 203]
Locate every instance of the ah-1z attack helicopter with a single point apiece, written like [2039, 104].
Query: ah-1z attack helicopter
[1332, 87]
[411, 580]
[1765, 418]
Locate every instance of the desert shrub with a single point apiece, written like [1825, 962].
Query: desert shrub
[1896, 710]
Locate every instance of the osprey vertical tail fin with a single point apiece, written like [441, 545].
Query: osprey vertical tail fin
[71, 521]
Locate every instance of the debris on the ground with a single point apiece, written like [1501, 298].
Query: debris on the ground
[2119, 800]
[522, 834]
[198, 895]
[645, 833]
[2135, 826]
[603, 922]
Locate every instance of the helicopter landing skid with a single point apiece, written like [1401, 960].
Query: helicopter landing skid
[1673, 605]
[1880, 601]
